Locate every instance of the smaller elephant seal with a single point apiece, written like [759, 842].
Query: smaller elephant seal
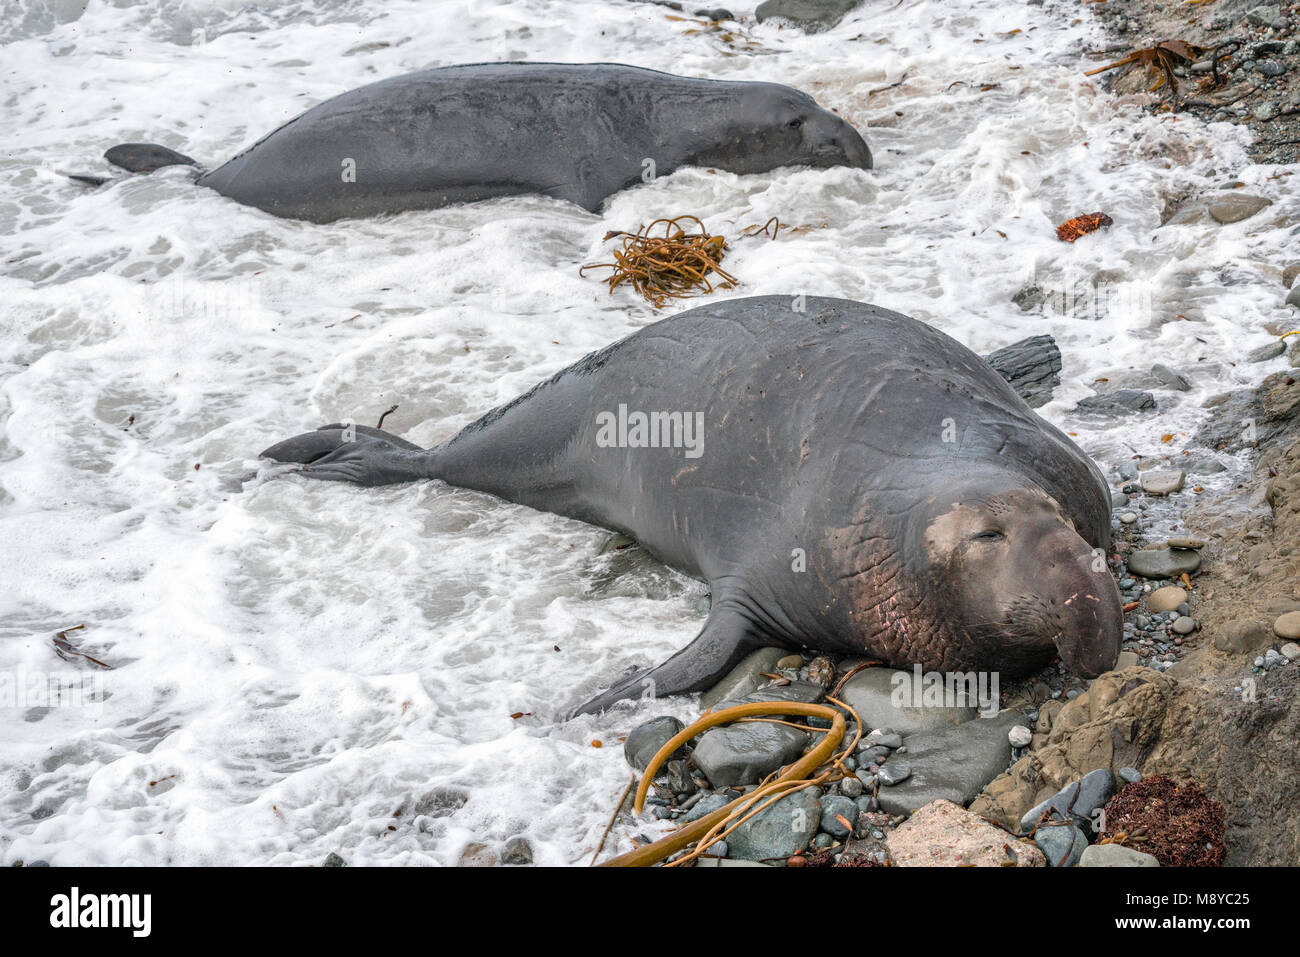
[845, 479]
[458, 134]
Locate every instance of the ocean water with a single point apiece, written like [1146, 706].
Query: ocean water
[296, 665]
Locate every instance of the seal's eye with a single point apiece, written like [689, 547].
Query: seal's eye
[795, 123]
[988, 535]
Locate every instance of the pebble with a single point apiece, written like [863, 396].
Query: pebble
[1115, 855]
[1128, 518]
[1234, 207]
[1184, 625]
[1130, 775]
[885, 739]
[1264, 353]
[706, 806]
[851, 786]
[1020, 736]
[895, 773]
[1270, 67]
[1163, 563]
[790, 661]
[1291, 651]
[1162, 482]
[645, 740]
[1118, 499]
[331, 860]
[517, 851]
[1166, 599]
[1288, 625]
[835, 807]
[1266, 111]
[1061, 844]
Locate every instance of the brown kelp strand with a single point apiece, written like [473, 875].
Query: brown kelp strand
[668, 260]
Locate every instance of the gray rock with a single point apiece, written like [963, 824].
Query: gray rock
[1130, 775]
[1160, 482]
[802, 691]
[1270, 350]
[743, 678]
[884, 739]
[893, 773]
[331, 860]
[1171, 379]
[1080, 798]
[1031, 366]
[953, 764]
[1119, 402]
[1290, 651]
[783, 829]
[1265, 15]
[1159, 563]
[851, 786]
[441, 802]
[1062, 844]
[1115, 855]
[1293, 297]
[680, 780]
[1234, 207]
[706, 806]
[1268, 110]
[746, 753]
[1241, 636]
[882, 696]
[517, 851]
[835, 807]
[645, 740]
[1184, 625]
[813, 16]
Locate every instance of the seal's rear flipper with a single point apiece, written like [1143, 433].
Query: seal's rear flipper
[146, 157]
[354, 453]
[727, 637]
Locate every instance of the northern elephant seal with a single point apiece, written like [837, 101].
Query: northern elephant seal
[578, 132]
[844, 477]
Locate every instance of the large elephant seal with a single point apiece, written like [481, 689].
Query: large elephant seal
[844, 477]
[462, 133]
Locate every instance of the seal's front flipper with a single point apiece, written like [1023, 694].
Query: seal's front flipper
[728, 636]
[354, 453]
[146, 157]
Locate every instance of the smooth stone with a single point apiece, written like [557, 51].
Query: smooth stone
[1118, 499]
[1130, 775]
[1170, 378]
[835, 807]
[745, 677]
[1081, 798]
[783, 829]
[851, 786]
[645, 740]
[1166, 599]
[1115, 855]
[1293, 297]
[1241, 636]
[746, 753]
[812, 15]
[1288, 625]
[1290, 274]
[1291, 651]
[331, 860]
[1117, 403]
[1184, 625]
[517, 851]
[477, 854]
[706, 806]
[1234, 207]
[891, 774]
[884, 739]
[1163, 482]
[1020, 736]
[1128, 518]
[789, 662]
[952, 764]
[1061, 844]
[1127, 659]
[1270, 350]
[1159, 563]
[871, 693]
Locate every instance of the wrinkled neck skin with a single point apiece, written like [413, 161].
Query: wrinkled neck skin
[986, 574]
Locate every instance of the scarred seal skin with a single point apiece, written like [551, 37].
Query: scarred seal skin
[577, 132]
[844, 478]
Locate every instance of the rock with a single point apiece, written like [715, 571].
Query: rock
[1130, 775]
[790, 662]
[951, 764]
[1162, 482]
[1127, 659]
[1166, 599]
[1270, 350]
[743, 678]
[1119, 402]
[441, 802]
[851, 786]
[1288, 625]
[1080, 799]
[1290, 651]
[941, 834]
[1290, 274]
[746, 753]
[882, 698]
[727, 862]
[1062, 844]
[1234, 207]
[1241, 637]
[1184, 625]
[835, 807]
[813, 16]
[785, 828]
[1158, 563]
[1171, 379]
[885, 739]
[1019, 736]
[478, 855]
[1115, 855]
[331, 860]
[680, 780]
[1184, 542]
[706, 806]
[1031, 366]
[1265, 15]
[1267, 110]
[517, 851]
[645, 740]
[821, 672]
[1293, 297]
[894, 773]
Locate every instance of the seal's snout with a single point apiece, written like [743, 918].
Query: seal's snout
[837, 143]
[1088, 612]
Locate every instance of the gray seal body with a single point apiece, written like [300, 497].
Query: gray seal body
[577, 132]
[844, 478]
